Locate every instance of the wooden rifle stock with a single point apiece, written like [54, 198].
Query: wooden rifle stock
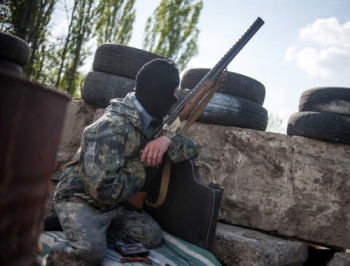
[195, 99]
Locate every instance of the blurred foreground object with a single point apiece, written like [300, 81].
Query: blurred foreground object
[31, 124]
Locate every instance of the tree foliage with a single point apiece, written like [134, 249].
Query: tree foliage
[57, 58]
[74, 49]
[29, 21]
[104, 20]
[172, 32]
[115, 21]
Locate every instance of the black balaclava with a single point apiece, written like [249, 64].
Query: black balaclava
[155, 85]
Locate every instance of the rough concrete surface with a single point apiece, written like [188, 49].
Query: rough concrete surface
[78, 116]
[321, 207]
[235, 245]
[340, 259]
[254, 168]
[273, 182]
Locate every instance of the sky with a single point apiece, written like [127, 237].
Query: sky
[303, 44]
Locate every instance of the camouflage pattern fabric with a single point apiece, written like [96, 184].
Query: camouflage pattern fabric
[134, 227]
[107, 168]
[86, 227]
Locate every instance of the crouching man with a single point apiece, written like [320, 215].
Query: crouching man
[117, 159]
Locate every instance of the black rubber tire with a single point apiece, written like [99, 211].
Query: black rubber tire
[121, 60]
[228, 110]
[234, 84]
[322, 126]
[11, 67]
[99, 88]
[335, 100]
[14, 49]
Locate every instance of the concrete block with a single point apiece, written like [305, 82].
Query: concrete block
[295, 186]
[321, 200]
[235, 245]
[340, 259]
[79, 115]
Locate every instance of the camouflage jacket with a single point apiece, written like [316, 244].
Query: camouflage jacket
[107, 168]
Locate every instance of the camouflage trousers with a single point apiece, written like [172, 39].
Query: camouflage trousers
[87, 231]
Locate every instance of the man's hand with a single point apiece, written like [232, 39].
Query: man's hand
[152, 154]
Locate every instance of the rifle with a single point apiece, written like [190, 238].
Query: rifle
[194, 103]
[192, 106]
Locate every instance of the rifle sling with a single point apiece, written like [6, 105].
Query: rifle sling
[191, 119]
[163, 185]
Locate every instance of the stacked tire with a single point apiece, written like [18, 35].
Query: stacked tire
[237, 102]
[14, 54]
[324, 114]
[114, 72]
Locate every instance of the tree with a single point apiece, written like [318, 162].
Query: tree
[28, 20]
[57, 60]
[6, 16]
[19, 17]
[104, 20]
[38, 37]
[115, 21]
[66, 72]
[172, 32]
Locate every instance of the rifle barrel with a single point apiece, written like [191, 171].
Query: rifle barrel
[235, 49]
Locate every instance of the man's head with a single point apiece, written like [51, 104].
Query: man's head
[155, 85]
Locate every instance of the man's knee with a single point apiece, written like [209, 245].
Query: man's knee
[152, 236]
[135, 227]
